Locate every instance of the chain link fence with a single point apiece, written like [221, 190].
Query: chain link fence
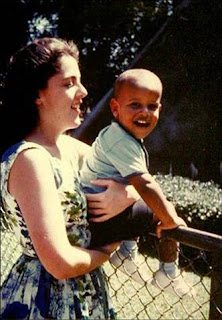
[201, 270]
[200, 265]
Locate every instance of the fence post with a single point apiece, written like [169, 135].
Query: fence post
[216, 287]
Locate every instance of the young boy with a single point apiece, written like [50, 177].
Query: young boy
[118, 153]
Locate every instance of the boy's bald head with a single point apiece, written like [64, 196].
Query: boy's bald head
[138, 77]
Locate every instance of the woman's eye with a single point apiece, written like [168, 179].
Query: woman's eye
[69, 84]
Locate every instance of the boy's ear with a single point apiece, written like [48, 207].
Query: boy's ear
[114, 107]
[38, 101]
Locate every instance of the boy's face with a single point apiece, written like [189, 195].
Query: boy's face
[137, 108]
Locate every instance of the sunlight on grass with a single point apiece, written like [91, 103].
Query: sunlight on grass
[132, 301]
[135, 302]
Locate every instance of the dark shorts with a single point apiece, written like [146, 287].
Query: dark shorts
[137, 220]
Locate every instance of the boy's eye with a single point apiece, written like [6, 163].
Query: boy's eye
[152, 107]
[135, 105]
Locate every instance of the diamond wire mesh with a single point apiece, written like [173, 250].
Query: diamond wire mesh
[136, 301]
[133, 301]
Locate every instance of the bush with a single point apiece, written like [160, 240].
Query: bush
[198, 203]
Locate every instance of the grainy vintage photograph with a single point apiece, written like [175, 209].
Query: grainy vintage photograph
[110, 170]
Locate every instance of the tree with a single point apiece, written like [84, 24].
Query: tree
[19, 23]
[186, 54]
[109, 33]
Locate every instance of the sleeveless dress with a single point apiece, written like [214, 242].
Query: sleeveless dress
[29, 291]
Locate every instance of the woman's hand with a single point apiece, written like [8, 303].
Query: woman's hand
[115, 199]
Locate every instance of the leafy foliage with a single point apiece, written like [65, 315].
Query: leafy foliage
[109, 33]
[199, 203]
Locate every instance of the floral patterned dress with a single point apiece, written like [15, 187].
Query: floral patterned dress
[29, 291]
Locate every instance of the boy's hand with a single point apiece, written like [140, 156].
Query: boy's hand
[174, 224]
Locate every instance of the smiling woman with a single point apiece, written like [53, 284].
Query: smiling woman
[57, 276]
[62, 97]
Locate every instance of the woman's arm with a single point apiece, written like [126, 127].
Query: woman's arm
[114, 200]
[32, 184]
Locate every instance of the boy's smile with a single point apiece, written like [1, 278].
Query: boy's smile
[137, 108]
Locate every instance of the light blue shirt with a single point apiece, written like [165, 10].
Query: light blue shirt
[116, 155]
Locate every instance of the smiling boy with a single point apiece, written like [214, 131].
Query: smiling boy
[118, 153]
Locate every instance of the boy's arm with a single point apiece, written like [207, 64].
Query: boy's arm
[115, 199]
[152, 194]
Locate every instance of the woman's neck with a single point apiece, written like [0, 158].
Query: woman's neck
[48, 141]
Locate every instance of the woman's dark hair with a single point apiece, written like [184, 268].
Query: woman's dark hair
[28, 72]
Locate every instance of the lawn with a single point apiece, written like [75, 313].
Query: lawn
[135, 302]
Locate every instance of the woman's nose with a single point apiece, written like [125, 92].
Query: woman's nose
[82, 91]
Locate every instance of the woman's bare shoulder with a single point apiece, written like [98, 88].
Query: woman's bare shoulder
[79, 146]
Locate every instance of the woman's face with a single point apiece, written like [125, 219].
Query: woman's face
[59, 104]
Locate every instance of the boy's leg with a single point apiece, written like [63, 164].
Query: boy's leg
[136, 221]
[129, 262]
[168, 254]
[133, 222]
[130, 224]
[168, 250]
[168, 277]
[129, 249]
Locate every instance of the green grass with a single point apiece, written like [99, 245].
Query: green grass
[135, 302]
[132, 301]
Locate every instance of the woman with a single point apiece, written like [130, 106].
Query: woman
[56, 276]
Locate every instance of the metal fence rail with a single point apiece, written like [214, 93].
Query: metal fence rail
[195, 238]
[208, 242]
[200, 265]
